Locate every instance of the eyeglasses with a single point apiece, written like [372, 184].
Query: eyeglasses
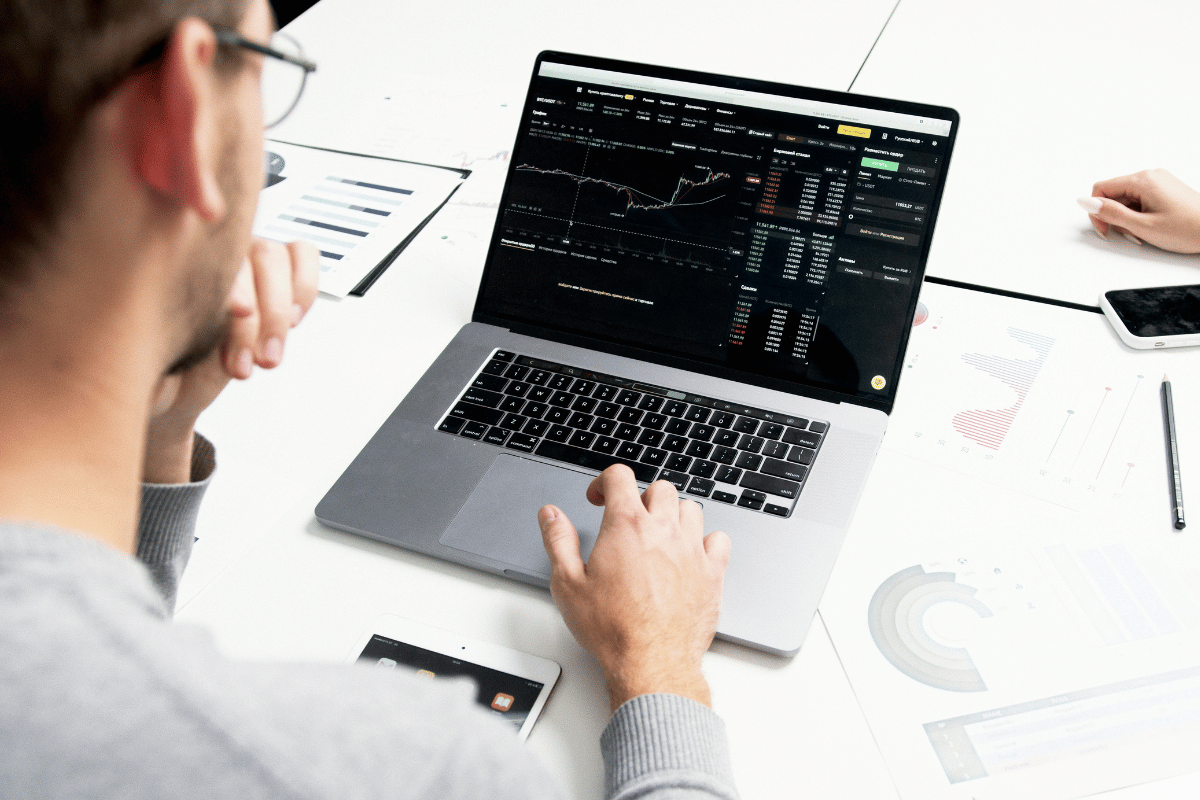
[285, 71]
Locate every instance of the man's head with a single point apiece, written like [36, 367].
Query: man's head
[133, 162]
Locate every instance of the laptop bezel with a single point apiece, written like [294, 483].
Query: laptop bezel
[541, 329]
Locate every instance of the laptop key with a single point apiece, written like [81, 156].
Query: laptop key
[679, 426]
[512, 422]
[496, 436]
[629, 450]
[563, 399]
[752, 499]
[535, 427]
[516, 372]
[492, 383]
[512, 404]
[729, 475]
[770, 485]
[540, 394]
[749, 461]
[651, 402]
[674, 408]
[784, 469]
[580, 420]
[583, 387]
[522, 442]
[651, 438]
[495, 367]
[482, 397]
[488, 416]
[474, 430]
[677, 478]
[772, 430]
[517, 388]
[775, 450]
[722, 419]
[699, 449]
[604, 427]
[535, 410]
[452, 425]
[801, 455]
[701, 432]
[607, 410]
[704, 469]
[746, 425]
[538, 377]
[700, 486]
[592, 460]
[698, 414]
[803, 438]
[627, 432]
[674, 443]
[628, 397]
[558, 433]
[818, 427]
[724, 497]
[630, 415]
[724, 455]
[606, 445]
[557, 415]
[605, 392]
[655, 421]
[778, 511]
[560, 382]
[504, 355]
[751, 444]
[581, 439]
[727, 438]
[585, 404]
[678, 462]
[653, 457]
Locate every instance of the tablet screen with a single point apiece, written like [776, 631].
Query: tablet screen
[507, 695]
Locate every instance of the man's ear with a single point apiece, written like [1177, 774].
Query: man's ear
[171, 121]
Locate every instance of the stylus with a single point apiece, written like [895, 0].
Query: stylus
[1172, 454]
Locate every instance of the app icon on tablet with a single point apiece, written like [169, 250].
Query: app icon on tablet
[424, 673]
[502, 701]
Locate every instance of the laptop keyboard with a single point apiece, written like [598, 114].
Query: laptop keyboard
[707, 448]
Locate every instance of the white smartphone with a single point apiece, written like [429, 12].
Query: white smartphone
[1163, 316]
[509, 683]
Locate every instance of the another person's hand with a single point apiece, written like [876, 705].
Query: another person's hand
[1152, 206]
[647, 601]
[271, 294]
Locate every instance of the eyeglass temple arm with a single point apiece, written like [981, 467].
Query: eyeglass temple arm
[233, 39]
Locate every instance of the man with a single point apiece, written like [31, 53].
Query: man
[130, 293]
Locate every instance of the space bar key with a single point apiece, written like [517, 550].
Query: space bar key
[593, 460]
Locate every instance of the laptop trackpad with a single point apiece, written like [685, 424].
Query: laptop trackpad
[499, 519]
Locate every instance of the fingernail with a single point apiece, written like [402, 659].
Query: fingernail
[273, 352]
[546, 515]
[245, 363]
[1091, 205]
[1131, 237]
[297, 314]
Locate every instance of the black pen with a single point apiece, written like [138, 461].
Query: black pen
[1172, 455]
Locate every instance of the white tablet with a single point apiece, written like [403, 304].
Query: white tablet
[509, 683]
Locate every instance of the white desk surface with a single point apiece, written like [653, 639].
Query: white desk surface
[292, 589]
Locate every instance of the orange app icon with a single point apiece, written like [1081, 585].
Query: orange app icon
[502, 701]
[424, 673]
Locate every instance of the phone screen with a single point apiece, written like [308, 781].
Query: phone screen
[1162, 311]
[509, 696]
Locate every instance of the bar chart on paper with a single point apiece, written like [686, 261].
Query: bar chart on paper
[1048, 404]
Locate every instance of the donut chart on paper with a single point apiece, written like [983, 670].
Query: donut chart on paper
[896, 618]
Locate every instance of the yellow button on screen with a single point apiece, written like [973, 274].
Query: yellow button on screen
[850, 130]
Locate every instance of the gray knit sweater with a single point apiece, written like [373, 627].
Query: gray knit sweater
[100, 696]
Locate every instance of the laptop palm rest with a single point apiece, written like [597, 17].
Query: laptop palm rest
[499, 519]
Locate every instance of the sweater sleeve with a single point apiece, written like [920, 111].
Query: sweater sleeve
[660, 746]
[166, 528]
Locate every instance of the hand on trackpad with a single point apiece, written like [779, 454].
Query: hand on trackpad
[499, 520]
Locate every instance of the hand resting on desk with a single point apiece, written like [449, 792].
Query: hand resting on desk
[646, 603]
[1152, 205]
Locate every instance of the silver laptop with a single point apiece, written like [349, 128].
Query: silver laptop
[709, 279]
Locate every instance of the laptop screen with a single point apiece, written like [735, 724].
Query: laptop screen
[769, 230]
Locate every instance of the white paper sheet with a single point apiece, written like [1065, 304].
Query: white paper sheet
[354, 209]
[1012, 624]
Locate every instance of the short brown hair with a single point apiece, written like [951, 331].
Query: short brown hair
[58, 60]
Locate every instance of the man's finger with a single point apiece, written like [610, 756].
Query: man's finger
[561, 541]
[243, 300]
[691, 515]
[661, 497]
[717, 546]
[1120, 216]
[273, 282]
[615, 487]
[305, 272]
[237, 351]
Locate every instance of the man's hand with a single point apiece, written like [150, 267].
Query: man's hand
[1152, 206]
[647, 601]
[271, 294]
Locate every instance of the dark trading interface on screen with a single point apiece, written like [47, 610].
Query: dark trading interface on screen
[770, 241]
